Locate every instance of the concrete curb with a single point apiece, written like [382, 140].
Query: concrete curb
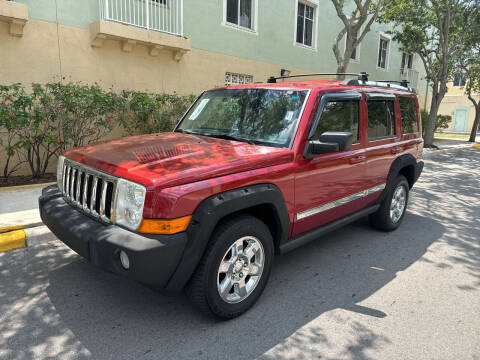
[24, 238]
[20, 187]
[431, 153]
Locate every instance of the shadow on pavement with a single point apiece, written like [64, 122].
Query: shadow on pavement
[73, 310]
[116, 318]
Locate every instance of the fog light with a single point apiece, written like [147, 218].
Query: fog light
[124, 260]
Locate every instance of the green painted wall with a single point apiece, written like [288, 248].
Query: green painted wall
[273, 42]
[79, 13]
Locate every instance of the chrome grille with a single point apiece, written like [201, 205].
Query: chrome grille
[89, 189]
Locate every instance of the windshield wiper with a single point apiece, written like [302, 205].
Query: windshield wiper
[215, 135]
[230, 137]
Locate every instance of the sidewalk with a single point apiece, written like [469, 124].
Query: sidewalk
[19, 205]
[446, 145]
[20, 222]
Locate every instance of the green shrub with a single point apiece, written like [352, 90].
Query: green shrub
[14, 114]
[40, 125]
[152, 113]
[443, 121]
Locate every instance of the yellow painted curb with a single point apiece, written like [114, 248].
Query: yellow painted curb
[20, 187]
[13, 240]
[477, 145]
[11, 228]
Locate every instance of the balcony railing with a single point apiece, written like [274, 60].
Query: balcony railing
[411, 76]
[158, 15]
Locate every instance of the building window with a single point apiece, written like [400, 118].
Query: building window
[459, 80]
[356, 51]
[381, 119]
[240, 13]
[237, 79]
[305, 24]
[383, 53]
[407, 60]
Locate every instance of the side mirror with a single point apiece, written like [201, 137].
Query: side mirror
[329, 141]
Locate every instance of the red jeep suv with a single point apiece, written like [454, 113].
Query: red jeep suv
[249, 172]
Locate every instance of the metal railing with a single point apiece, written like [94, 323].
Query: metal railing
[157, 15]
[411, 76]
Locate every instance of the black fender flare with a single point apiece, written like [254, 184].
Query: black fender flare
[398, 164]
[212, 210]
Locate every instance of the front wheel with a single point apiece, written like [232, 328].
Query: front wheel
[234, 269]
[392, 209]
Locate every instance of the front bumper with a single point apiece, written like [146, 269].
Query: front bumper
[153, 258]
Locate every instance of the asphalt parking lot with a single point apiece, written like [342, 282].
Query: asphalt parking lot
[354, 294]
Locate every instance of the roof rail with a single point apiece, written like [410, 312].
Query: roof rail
[392, 84]
[363, 76]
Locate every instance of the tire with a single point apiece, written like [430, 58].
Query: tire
[385, 219]
[209, 279]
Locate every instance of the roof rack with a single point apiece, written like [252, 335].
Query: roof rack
[363, 76]
[392, 84]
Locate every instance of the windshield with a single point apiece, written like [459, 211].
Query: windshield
[257, 116]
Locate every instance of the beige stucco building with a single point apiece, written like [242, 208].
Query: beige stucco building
[459, 107]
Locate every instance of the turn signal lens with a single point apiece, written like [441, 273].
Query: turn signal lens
[166, 227]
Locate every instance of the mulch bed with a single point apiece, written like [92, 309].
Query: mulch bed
[26, 180]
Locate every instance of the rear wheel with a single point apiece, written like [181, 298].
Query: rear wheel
[392, 209]
[234, 269]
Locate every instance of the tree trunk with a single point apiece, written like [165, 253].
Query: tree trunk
[476, 106]
[340, 70]
[432, 118]
[473, 134]
[437, 97]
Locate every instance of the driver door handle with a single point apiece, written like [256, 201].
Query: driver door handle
[357, 159]
[396, 149]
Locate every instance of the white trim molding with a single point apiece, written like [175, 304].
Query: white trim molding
[388, 38]
[345, 200]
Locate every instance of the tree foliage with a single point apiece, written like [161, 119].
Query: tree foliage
[432, 29]
[469, 61]
[356, 24]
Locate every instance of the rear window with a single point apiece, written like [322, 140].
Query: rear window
[339, 116]
[408, 113]
[381, 119]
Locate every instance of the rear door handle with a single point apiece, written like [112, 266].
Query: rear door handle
[357, 159]
[396, 149]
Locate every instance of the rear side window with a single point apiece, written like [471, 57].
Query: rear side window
[381, 119]
[340, 116]
[408, 113]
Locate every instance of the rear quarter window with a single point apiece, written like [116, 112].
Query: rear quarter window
[408, 113]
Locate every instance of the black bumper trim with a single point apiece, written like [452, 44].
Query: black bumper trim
[153, 258]
[418, 170]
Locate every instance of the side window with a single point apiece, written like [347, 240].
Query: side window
[408, 113]
[340, 116]
[381, 119]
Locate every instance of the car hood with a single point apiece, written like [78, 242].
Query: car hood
[170, 159]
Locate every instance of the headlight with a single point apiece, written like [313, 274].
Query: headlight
[61, 159]
[129, 204]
